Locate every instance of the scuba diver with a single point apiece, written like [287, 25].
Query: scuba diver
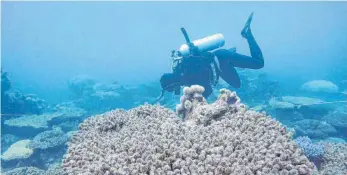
[195, 64]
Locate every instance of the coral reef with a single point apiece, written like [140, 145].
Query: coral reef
[294, 108]
[302, 101]
[338, 119]
[68, 126]
[335, 159]
[257, 87]
[310, 149]
[81, 85]
[31, 125]
[44, 150]
[219, 138]
[281, 105]
[320, 86]
[335, 140]
[18, 150]
[49, 139]
[7, 140]
[314, 151]
[303, 104]
[98, 98]
[67, 112]
[314, 129]
[55, 169]
[25, 171]
[14, 102]
[5, 82]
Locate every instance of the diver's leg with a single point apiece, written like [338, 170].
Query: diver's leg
[228, 73]
[256, 61]
[253, 45]
[239, 60]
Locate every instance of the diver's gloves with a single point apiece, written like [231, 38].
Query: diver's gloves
[246, 31]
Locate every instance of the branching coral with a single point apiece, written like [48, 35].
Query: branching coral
[194, 107]
[314, 151]
[310, 149]
[220, 138]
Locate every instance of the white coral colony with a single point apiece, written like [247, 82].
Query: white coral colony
[219, 138]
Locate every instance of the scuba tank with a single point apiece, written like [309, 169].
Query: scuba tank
[197, 46]
[201, 45]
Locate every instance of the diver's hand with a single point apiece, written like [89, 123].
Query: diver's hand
[246, 31]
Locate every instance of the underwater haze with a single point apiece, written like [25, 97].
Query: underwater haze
[73, 67]
[44, 44]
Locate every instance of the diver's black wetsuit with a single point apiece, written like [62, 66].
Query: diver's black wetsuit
[198, 69]
[229, 60]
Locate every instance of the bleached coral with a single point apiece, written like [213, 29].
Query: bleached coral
[49, 139]
[31, 125]
[25, 170]
[54, 169]
[314, 129]
[153, 140]
[320, 86]
[335, 159]
[39, 122]
[194, 107]
[18, 150]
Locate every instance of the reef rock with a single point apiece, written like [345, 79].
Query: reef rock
[320, 86]
[18, 150]
[219, 138]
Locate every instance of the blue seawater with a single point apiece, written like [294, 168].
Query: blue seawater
[62, 62]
